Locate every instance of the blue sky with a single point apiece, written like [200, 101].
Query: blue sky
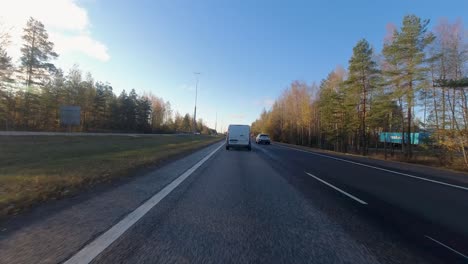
[247, 51]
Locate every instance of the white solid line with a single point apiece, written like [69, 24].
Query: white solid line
[338, 189]
[93, 249]
[382, 169]
[447, 247]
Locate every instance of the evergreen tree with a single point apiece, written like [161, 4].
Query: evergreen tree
[99, 106]
[6, 96]
[120, 115]
[407, 50]
[186, 123]
[58, 94]
[37, 51]
[362, 72]
[131, 107]
[333, 113]
[143, 115]
[73, 90]
[6, 67]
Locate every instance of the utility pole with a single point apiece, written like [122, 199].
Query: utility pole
[195, 110]
[216, 122]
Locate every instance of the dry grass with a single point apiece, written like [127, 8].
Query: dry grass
[423, 157]
[39, 168]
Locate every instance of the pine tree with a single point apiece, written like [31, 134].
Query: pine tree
[120, 116]
[58, 94]
[37, 52]
[362, 79]
[6, 97]
[143, 114]
[131, 110]
[73, 88]
[333, 112]
[6, 67]
[407, 50]
[186, 123]
[99, 106]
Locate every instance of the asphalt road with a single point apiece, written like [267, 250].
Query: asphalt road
[261, 207]
[280, 205]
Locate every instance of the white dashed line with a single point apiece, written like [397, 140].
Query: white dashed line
[93, 249]
[447, 247]
[338, 189]
[381, 169]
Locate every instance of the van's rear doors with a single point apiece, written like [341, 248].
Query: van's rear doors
[239, 135]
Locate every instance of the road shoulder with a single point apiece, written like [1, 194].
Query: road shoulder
[434, 173]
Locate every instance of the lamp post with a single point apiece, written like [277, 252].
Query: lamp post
[195, 109]
[216, 122]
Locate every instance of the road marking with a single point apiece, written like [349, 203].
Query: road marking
[93, 249]
[382, 169]
[447, 247]
[338, 189]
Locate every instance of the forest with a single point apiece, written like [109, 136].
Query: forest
[416, 83]
[33, 90]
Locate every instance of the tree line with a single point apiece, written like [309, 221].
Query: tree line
[416, 84]
[32, 92]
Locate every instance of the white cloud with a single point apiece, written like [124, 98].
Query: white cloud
[81, 43]
[67, 23]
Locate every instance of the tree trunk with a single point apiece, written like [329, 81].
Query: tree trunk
[364, 110]
[385, 147]
[403, 150]
[465, 109]
[453, 106]
[436, 112]
[30, 66]
[434, 98]
[443, 112]
[408, 136]
[410, 119]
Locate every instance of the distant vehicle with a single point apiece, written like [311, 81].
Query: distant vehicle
[238, 136]
[263, 139]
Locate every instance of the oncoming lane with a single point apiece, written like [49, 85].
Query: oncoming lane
[416, 203]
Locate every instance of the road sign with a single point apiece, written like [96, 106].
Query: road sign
[416, 138]
[70, 115]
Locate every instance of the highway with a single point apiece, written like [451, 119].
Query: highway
[274, 204]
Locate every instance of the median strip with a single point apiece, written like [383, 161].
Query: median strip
[338, 189]
[93, 249]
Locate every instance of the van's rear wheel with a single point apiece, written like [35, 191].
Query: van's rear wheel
[227, 147]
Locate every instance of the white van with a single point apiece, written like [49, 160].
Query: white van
[238, 136]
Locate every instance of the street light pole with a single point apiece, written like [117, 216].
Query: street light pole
[195, 109]
[216, 122]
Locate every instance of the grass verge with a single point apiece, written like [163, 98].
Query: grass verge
[39, 168]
